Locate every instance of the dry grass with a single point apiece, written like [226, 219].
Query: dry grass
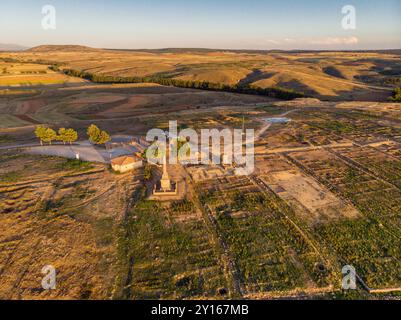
[328, 75]
[10, 121]
[64, 218]
[30, 74]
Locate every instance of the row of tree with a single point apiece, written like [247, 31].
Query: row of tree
[393, 81]
[48, 135]
[396, 97]
[275, 92]
[45, 134]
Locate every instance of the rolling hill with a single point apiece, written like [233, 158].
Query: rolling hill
[359, 75]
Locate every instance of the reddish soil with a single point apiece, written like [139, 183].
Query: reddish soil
[31, 106]
[27, 118]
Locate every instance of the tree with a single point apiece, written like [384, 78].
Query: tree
[61, 135]
[93, 133]
[183, 146]
[103, 138]
[49, 135]
[40, 133]
[148, 175]
[97, 136]
[67, 135]
[274, 92]
[396, 95]
[71, 136]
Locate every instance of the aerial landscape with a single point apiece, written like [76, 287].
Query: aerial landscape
[80, 195]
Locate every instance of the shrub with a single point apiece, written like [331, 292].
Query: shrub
[396, 97]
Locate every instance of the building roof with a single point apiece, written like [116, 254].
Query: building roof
[121, 139]
[125, 160]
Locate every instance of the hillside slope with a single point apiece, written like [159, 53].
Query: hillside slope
[324, 75]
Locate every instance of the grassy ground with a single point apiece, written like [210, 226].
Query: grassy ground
[65, 218]
[10, 121]
[370, 243]
[6, 138]
[270, 254]
[30, 74]
[169, 256]
[238, 240]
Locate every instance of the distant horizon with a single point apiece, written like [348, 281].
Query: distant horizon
[24, 48]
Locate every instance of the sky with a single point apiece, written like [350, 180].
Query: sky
[223, 24]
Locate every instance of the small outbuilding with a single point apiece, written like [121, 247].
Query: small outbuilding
[120, 141]
[126, 163]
